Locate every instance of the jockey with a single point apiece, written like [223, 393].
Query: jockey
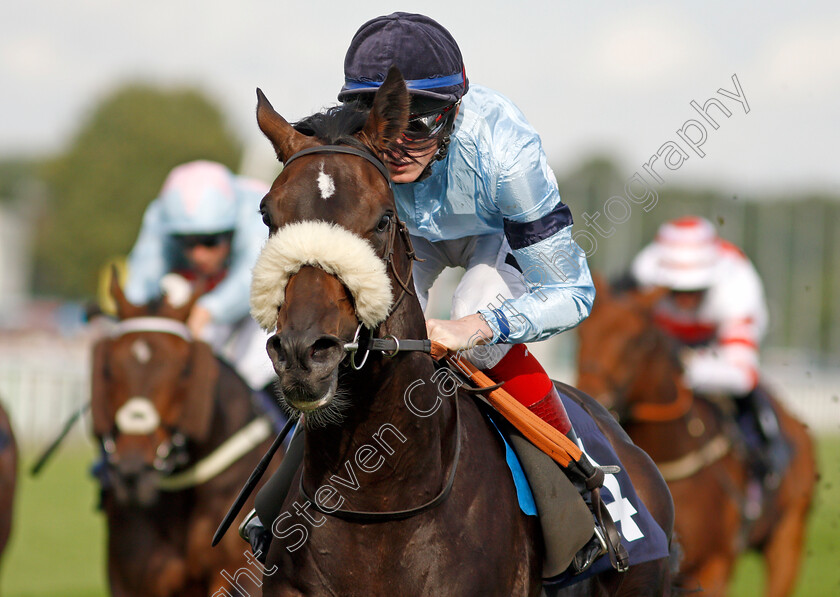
[716, 310]
[205, 228]
[477, 192]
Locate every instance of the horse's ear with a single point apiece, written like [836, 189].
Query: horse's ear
[180, 296]
[125, 309]
[197, 413]
[388, 117]
[602, 289]
[648, 298]
[285, 139]
[103, 423]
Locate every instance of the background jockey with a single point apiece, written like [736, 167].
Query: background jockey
[205, 226]
[477, 192]
[717, 311]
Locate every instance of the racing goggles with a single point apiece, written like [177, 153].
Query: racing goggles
[431, 124]
[191, 241]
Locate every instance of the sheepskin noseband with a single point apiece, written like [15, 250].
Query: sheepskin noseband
[334, 249]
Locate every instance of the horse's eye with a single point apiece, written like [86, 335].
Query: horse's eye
[266, 216]
[384, 222]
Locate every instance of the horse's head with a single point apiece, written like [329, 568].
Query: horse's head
[334, 236]
[616, 344]
[152, 394]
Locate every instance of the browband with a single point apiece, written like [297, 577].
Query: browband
[343, 149]
[153, 324]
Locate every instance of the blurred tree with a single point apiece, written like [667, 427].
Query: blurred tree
[15, 174]
[114, 167]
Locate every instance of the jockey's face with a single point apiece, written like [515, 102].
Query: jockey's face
[422, 150]
[208, 261]
[409, 170]
[687, 300]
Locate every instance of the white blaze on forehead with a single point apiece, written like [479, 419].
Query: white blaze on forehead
[334, 249]
[141, 351]
[325, 183]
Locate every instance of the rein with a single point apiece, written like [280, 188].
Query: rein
[647, 412]
[662, 413]
[373, 517]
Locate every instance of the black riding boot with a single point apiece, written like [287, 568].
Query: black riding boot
[256, 528]
[767, 446]
[588, 479]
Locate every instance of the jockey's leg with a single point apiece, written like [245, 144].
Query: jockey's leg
[527, 381]
[769, 449]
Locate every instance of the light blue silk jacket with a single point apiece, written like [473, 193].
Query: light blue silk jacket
[495, 179]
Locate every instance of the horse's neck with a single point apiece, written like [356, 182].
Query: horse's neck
[232, 408]
[661, 384]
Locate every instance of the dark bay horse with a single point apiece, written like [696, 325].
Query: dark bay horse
[8, 476]
[403, 488]
[628, 364]
[180, 435]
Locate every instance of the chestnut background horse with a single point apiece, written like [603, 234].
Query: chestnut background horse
[388, 438]
[628, 364]
[152, 374]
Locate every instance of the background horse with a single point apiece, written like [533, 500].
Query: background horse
[163, 405]
[8, 476]
[377, 507]
[627, 363]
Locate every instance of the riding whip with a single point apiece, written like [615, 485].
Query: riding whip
[252, 481]
[39, 464]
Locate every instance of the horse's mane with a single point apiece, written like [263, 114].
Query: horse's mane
[337, 125]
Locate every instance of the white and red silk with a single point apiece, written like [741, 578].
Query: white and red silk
[730, 321]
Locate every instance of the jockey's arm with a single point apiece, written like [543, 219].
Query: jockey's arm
[228, 302]
[522, 189]
[560, 290]
[538, 228]
[149, 260]
[731, 364]
[722, 369]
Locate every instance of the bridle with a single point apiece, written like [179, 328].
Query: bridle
[390, 345]
[138, 416]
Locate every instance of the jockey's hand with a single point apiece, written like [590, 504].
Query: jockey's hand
[459, 333]
[198, 320]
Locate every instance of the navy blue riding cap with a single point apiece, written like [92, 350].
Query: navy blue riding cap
[426, 54]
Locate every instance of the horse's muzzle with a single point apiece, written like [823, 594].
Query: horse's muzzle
[307, 366]
[134, 482]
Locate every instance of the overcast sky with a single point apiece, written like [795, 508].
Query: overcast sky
[612, 76]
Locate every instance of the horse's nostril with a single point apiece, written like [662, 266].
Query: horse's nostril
[275, 350]
[322, 349]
